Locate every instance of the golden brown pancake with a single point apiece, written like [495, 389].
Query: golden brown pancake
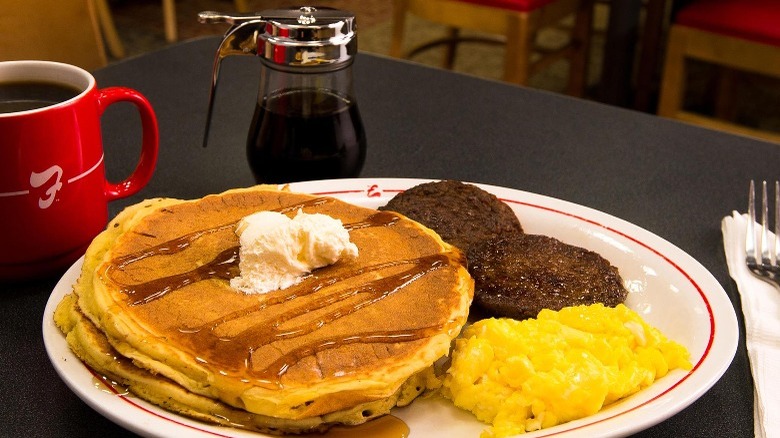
[92, 347]
[155, 284]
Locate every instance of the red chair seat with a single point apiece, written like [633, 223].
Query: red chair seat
[753, 20]
[512, 5]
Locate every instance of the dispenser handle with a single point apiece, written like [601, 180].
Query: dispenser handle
[240, 39]
[212, 17]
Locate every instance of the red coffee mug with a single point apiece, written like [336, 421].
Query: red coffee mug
[53, 190]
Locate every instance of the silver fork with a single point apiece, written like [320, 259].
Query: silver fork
[762, 257]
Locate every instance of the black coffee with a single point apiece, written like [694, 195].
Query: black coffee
[28, 95]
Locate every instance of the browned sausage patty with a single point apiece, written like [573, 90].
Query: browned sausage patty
[462, 214]
[520, 274]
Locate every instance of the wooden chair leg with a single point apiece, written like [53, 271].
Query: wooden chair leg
[724, 99]
[578, 71]
[169, 17]
[519, 41]
[241, 5]
[651, 52]
[673, 82]
[114, 43]
[452, 48]
[399, 21]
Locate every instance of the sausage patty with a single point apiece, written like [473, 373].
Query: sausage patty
[462, 214]
[518, 275]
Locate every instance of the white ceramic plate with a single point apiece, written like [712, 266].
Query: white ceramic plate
[667, 287]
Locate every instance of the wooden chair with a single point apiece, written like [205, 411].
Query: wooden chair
[110, 35]
[52, 30]
[115, 46]
[169, 17]
[514, 22]
[737, 35]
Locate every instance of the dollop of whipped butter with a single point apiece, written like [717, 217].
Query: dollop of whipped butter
[276, 251]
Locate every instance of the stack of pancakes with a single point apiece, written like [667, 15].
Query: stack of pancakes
[153, 310]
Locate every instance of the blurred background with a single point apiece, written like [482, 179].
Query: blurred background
[623, 67]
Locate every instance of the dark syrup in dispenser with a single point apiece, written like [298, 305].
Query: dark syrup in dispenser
[306, 134]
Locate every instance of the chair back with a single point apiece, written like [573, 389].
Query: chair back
[53, 30]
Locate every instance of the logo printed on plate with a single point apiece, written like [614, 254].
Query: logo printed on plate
[374, 191]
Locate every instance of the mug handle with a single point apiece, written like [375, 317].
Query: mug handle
[150, 140]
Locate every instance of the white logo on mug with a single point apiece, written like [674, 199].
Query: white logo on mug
[39, 179]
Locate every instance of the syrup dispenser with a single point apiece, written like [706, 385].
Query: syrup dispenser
[306, 123]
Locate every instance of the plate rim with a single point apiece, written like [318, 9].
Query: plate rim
[705, 374]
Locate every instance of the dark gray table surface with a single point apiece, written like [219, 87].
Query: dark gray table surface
[674, 180]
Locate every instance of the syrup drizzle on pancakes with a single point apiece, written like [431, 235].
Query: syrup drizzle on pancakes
[330, 306]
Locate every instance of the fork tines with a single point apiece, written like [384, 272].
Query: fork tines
[759, 251]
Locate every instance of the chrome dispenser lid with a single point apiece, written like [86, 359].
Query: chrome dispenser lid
[308, 37]
[305, 37]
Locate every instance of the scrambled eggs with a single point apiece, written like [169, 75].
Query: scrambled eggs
[522, 376]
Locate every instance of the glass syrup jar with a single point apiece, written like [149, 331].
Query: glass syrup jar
[306, 123]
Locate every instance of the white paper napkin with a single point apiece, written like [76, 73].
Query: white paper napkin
[761, 307]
